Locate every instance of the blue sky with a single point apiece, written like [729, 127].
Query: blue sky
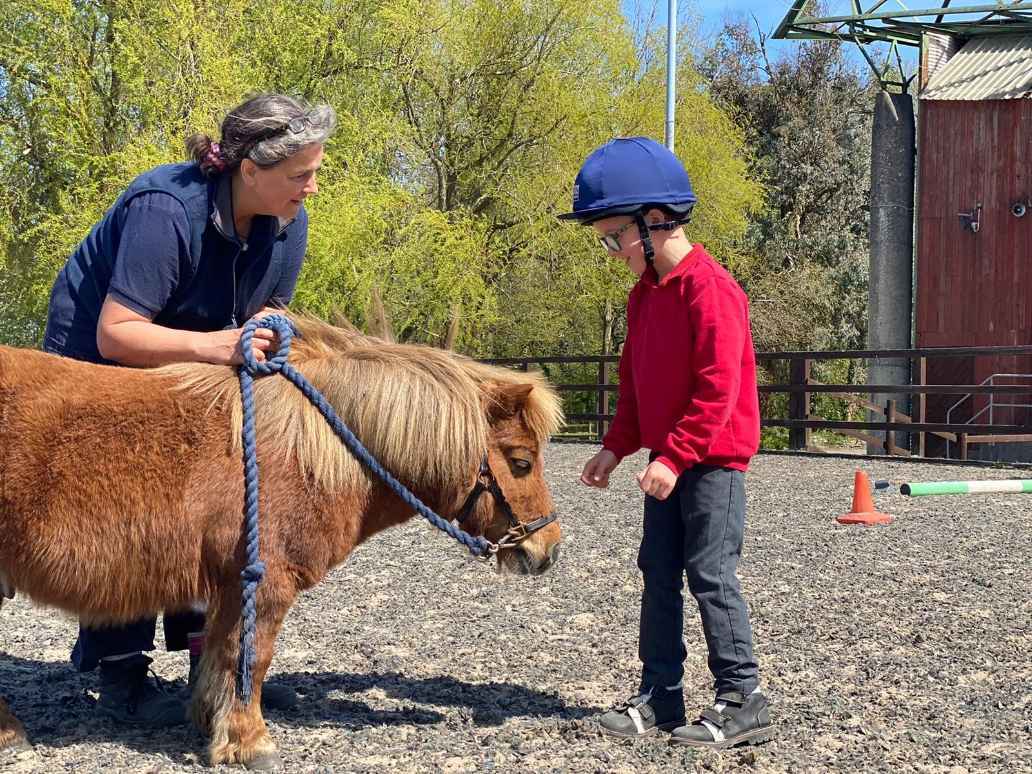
[711, 15]
[768, 14]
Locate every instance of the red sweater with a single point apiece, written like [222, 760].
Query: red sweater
[688, 370]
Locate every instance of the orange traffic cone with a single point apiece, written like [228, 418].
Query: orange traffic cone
[863, 509]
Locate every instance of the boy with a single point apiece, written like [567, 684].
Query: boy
[687, 393]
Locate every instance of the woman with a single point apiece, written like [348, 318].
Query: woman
[185, 256]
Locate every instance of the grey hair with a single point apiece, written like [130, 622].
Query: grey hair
[266, 128]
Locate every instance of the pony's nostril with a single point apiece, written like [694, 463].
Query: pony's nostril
[554, 555]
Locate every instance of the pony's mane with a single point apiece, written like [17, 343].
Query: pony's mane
[419, 410]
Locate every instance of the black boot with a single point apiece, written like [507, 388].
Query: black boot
[644, 715]
[734, 719]
[129, 695]
[274, 697]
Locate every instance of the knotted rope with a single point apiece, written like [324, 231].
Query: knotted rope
[254, 570]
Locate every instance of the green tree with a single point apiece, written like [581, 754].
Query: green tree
[462, 125]
[807, 117]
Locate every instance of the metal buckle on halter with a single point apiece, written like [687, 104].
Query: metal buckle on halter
[513, 537]
[520, 531]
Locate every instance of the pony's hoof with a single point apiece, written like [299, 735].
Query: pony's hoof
[269, 761]
[17, 748]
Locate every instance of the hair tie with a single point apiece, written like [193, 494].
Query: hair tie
[213, 158]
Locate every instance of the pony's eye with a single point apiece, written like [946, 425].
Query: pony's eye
[519, 467]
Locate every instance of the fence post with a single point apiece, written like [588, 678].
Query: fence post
[890, 434]
[922, 401]
[799, 404]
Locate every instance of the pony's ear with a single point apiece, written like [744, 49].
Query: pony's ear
[505, 400]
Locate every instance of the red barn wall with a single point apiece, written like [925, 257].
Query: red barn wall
[974, 288]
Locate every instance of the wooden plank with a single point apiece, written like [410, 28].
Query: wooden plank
[869, 354]
[867, 437]
[1026, 438]
[1024, 350]
[589, 417]
[928, 427]
[913, 389]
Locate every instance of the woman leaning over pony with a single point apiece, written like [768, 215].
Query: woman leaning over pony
[185, 256]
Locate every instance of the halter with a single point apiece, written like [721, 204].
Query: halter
[518, 531]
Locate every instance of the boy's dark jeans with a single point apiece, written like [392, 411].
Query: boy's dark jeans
[697, 531]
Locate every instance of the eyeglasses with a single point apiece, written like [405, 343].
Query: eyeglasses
[611, 239]
[295, 125]
[298, 124]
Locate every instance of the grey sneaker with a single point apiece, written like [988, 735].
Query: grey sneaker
[274, 697]
[129, 695]
[645, 715]
[734, 719]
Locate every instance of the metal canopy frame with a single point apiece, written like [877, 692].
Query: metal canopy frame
[902, 26]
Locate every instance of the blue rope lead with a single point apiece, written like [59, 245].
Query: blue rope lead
[254, 570]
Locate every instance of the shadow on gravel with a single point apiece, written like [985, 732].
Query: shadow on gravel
[486, 704]
[54, 703]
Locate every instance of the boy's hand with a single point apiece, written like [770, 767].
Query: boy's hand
[596, 471]
[657, 480]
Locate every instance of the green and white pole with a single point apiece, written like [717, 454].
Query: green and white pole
[965, 487]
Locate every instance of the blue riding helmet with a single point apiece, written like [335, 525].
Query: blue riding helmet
[626, 176]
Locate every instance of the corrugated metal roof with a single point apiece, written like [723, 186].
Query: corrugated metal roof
[936, 50]
[991, 67]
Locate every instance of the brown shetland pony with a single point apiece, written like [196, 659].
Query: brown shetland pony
[121, 490]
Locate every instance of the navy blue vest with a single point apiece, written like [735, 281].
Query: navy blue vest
[221, 281]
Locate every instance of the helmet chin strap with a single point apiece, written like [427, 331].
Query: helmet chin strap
[646, 238]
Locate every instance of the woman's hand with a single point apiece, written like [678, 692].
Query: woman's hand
[224, 347]
[596, 471]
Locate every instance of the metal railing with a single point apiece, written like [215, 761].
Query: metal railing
[991, 404]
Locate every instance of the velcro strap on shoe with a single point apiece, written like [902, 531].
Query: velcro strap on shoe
[646, 711]
[715, 731]
[731, 698]
[636, 718]
[712, 716]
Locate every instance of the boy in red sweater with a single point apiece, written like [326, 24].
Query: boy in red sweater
[688, 394]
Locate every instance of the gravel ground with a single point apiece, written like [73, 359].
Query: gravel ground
[901, 648]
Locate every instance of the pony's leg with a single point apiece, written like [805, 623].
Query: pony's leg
[238, 732]
[12, 733]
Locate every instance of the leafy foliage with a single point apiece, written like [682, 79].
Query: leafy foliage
[807, 118]
[462, 125]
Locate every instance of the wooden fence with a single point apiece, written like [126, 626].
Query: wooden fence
[801, 420]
